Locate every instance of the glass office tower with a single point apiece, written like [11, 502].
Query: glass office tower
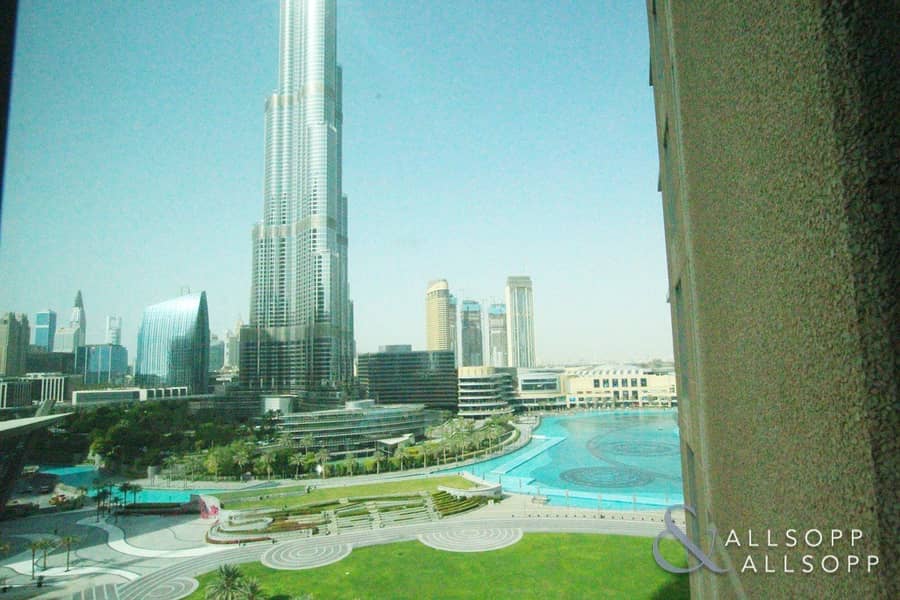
[45, 329]
[300, 335]
[470, 329]
[519, 322]
[173, 344]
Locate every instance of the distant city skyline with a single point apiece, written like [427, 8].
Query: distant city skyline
[473, 148]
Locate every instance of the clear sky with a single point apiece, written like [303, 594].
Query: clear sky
[481, 139]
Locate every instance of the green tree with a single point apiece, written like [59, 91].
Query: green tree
[34, 546]
[306, 441]
[296, 460]
[124, 488]
[68, 541]
[251, 589]
[45, 546]
[265, 462]
[322, 456]
[136, 489]
[241, 458]
[212, 463]
[351, 462]
[227, 585]
[400, 454]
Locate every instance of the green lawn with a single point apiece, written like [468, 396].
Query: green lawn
[429, 484]
[541, 565]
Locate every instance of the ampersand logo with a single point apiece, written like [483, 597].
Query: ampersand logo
[690, 546]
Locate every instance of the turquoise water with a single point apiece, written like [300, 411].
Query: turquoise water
[83, 476]
[615, 459]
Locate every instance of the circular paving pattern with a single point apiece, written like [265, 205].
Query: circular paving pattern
[471, 540]
[173, 589]
[606, 477]
[300, 555]
[635, 448]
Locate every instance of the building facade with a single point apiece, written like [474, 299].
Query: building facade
[779, 175]
[485, 392]
[90, 398]
[619, 386]
[15, 392]
[102, 363]
[440, 320]
[45, 329]
[216, 353]
[173, 344]
[406, 377]
[114, 330]
[540, 390]
[233, 346]
[300, 335]
[497, 337]
[358, 426]
[14, 336]
[39, 361]
[520, 322]
[471, 342]
[72, 337]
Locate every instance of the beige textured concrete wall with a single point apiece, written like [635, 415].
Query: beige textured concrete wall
[783, 243]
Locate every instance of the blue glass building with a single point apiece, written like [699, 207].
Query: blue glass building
[102, 363]
[45, 329]
[173, 344]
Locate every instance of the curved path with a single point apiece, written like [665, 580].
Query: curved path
[471, 540]
[300, 555]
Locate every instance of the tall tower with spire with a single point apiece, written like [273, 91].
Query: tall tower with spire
[73, 337]
[300, 335]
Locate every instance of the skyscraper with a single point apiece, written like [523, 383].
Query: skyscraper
[520, 322]
[470, 333]
[14, 336]
[45, 329]
[113, 330]
[440, 320]
[173, 344]
[497, 345]
[69, 339]
[300, 335]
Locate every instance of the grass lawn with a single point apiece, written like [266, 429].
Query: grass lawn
[540, 565]
[429, 484]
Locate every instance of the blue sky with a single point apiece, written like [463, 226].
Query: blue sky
[481, 140]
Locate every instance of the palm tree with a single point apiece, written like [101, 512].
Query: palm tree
[251, 590]
[306, 441]
[68, 541]
[34, 547]
[378, 456]
[287, 441]
[296, 460]
[125, 488]
[136, 489]
[241, 458]
[322, 455]
[45, 545]
[212, 463]
[351, 462]
[399, 453]
[100, 497]
[227, 585]
[267, 459]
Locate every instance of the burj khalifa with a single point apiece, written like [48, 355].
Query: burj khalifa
[300, 336]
